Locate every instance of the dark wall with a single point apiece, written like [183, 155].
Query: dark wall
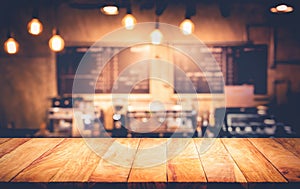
[28, 79]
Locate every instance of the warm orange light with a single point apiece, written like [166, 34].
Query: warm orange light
[129, 21]
[11, 46]
[110, 10]
[282, 8]
[156, 37]
[34, 26]
[56, 43]
[187, 27]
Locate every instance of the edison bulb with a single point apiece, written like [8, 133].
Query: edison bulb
[11, 46]
[156, 37]
[34, 26]
[187, 27]
[56, 43]
[129, 21]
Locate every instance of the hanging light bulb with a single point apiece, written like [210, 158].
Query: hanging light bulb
[129, 21]
[187, 26]
[34, 26]
[56, 42]
[156, 35]
[11, 46]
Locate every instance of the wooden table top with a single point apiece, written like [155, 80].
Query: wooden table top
[149, 163]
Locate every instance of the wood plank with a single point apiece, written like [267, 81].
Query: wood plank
[17, 160]
[184, 165]
[149, 166]
[2, 140]
[10, 145]
[218, 164]
[83, 162]
[182, 148]
[291, 144]
[45, 167]
[254, 166]
[116, 163]
[284, 160]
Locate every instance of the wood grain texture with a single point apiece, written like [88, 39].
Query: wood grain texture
[115, 164]
[291, 144]
[149, 163]
[184, 166]
[255, 167]
[10, 145]
[17, 160]
[149, 168]
[218, 164]
[81, 165]
[284, 160]
[2, 140]
[45, 167]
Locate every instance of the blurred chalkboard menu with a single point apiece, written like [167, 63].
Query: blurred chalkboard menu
[248, 65]
[117, 70]
[229, 65]
[204, 77]
[101, 70]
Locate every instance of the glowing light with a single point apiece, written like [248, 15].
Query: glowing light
[11, 46]
[110, 10]
[187, 27]
[129, 21]
[116, 117]
[56, 43]
[34, 26]
[281, 9]
[156, 37]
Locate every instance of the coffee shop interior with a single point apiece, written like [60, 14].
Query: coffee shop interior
[250, 86]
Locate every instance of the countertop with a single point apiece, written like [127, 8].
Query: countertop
[149, 163]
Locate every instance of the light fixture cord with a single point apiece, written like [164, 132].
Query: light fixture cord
[157, 22]
[129, 8]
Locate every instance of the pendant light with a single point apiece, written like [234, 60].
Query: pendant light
[35, 26]
[282, 8]
[156, 35]
[11, 46]
[187, 26]
[129, 20]
[56, 42]
[110, 9]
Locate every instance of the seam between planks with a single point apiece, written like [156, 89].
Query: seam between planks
[292, 151]
[269, 162]
[8, 139]
[12, 149]
[247, 182]
[133, 160]
[88, 180]
[50, 179]
[200, 159]
[95, 167]
[167, 160]
[36, 158]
